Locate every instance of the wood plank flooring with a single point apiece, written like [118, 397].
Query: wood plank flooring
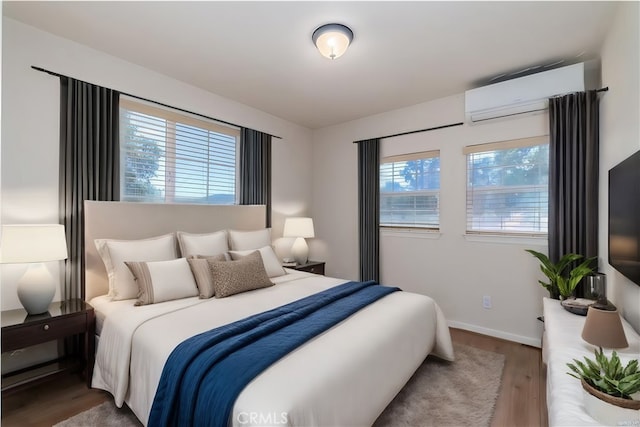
[521, 401]
[522, 394]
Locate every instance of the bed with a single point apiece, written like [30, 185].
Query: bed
[344, 376]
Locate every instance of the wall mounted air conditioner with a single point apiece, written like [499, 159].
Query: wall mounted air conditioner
[528, 94]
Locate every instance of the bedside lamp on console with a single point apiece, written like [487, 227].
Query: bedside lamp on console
[34, 244]
[300, 228]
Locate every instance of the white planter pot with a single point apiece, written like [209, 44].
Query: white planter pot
[608, 414]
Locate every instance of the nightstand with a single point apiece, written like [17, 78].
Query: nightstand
[315, 267]
[63, 320]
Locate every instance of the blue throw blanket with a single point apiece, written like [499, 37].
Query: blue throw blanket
[205, 374]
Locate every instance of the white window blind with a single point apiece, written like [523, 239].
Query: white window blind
[507, 187]
[175, 158]
[410, 190]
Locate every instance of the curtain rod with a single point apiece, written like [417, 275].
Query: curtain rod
[152, 101]
[413, 131]
[604, 89]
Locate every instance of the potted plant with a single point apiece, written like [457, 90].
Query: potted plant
[562, 279]
[608, 381]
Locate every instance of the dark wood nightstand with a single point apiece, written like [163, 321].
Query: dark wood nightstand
[63, 320]
[315, 267]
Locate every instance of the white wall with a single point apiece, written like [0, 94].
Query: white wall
[619, 136]
[455, 271]
[30, 132]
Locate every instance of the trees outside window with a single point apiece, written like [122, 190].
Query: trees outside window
[170, 157]
[410, 190]
[507, 189]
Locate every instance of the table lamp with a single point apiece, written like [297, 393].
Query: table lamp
[603, 328]
[300, 228]
[34, 244]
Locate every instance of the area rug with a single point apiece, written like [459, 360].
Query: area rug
[460, 393]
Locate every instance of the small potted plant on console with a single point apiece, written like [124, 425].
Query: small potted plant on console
[607, 380]
[563, 279]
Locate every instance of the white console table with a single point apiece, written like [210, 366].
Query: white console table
[561, 344]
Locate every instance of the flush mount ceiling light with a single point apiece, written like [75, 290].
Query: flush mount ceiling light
[332, 40]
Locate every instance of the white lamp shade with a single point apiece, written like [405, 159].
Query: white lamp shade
[298, 227]
[32, 243]
[332, 40]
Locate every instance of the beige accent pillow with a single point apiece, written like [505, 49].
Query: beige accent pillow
[161, 281]
[247, 240]
[233, 277]
[114, 253]
[203, 244]
[269, 258]
[202, 273]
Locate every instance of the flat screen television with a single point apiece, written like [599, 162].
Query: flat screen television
[624, 217]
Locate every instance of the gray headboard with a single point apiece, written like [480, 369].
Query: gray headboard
[129, 220]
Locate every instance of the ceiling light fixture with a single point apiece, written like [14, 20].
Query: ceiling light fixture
[332, 40]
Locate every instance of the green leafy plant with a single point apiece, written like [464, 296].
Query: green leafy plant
[562, 279]
[608, 376]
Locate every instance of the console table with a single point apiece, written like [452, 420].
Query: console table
[561, 343]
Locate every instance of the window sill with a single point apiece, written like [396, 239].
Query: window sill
[412, 233]
[506, 239]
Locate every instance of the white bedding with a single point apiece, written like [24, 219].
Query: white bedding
[345, 376]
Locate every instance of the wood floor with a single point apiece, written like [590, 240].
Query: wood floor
[522, 393]
[521, 401]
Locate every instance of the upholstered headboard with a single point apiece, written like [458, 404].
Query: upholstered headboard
[128, 221]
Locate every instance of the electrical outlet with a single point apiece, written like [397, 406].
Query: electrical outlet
[486, 301]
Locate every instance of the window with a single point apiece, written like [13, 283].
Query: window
[507, 187]
[410, 190]
[175, 158]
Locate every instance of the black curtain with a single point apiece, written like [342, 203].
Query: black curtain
[255, 170]
[89, 165]
[573, 175]
[369, 208]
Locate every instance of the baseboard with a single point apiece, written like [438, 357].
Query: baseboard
[533, 342]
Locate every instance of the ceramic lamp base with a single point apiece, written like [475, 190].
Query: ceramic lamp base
[36, 289]
[300, 250]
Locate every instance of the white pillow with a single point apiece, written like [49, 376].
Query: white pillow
[160, 281]
[246, 240]
[208, 244]
[269, 259]
[115, 252]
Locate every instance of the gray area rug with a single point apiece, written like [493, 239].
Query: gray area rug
[460, 393]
